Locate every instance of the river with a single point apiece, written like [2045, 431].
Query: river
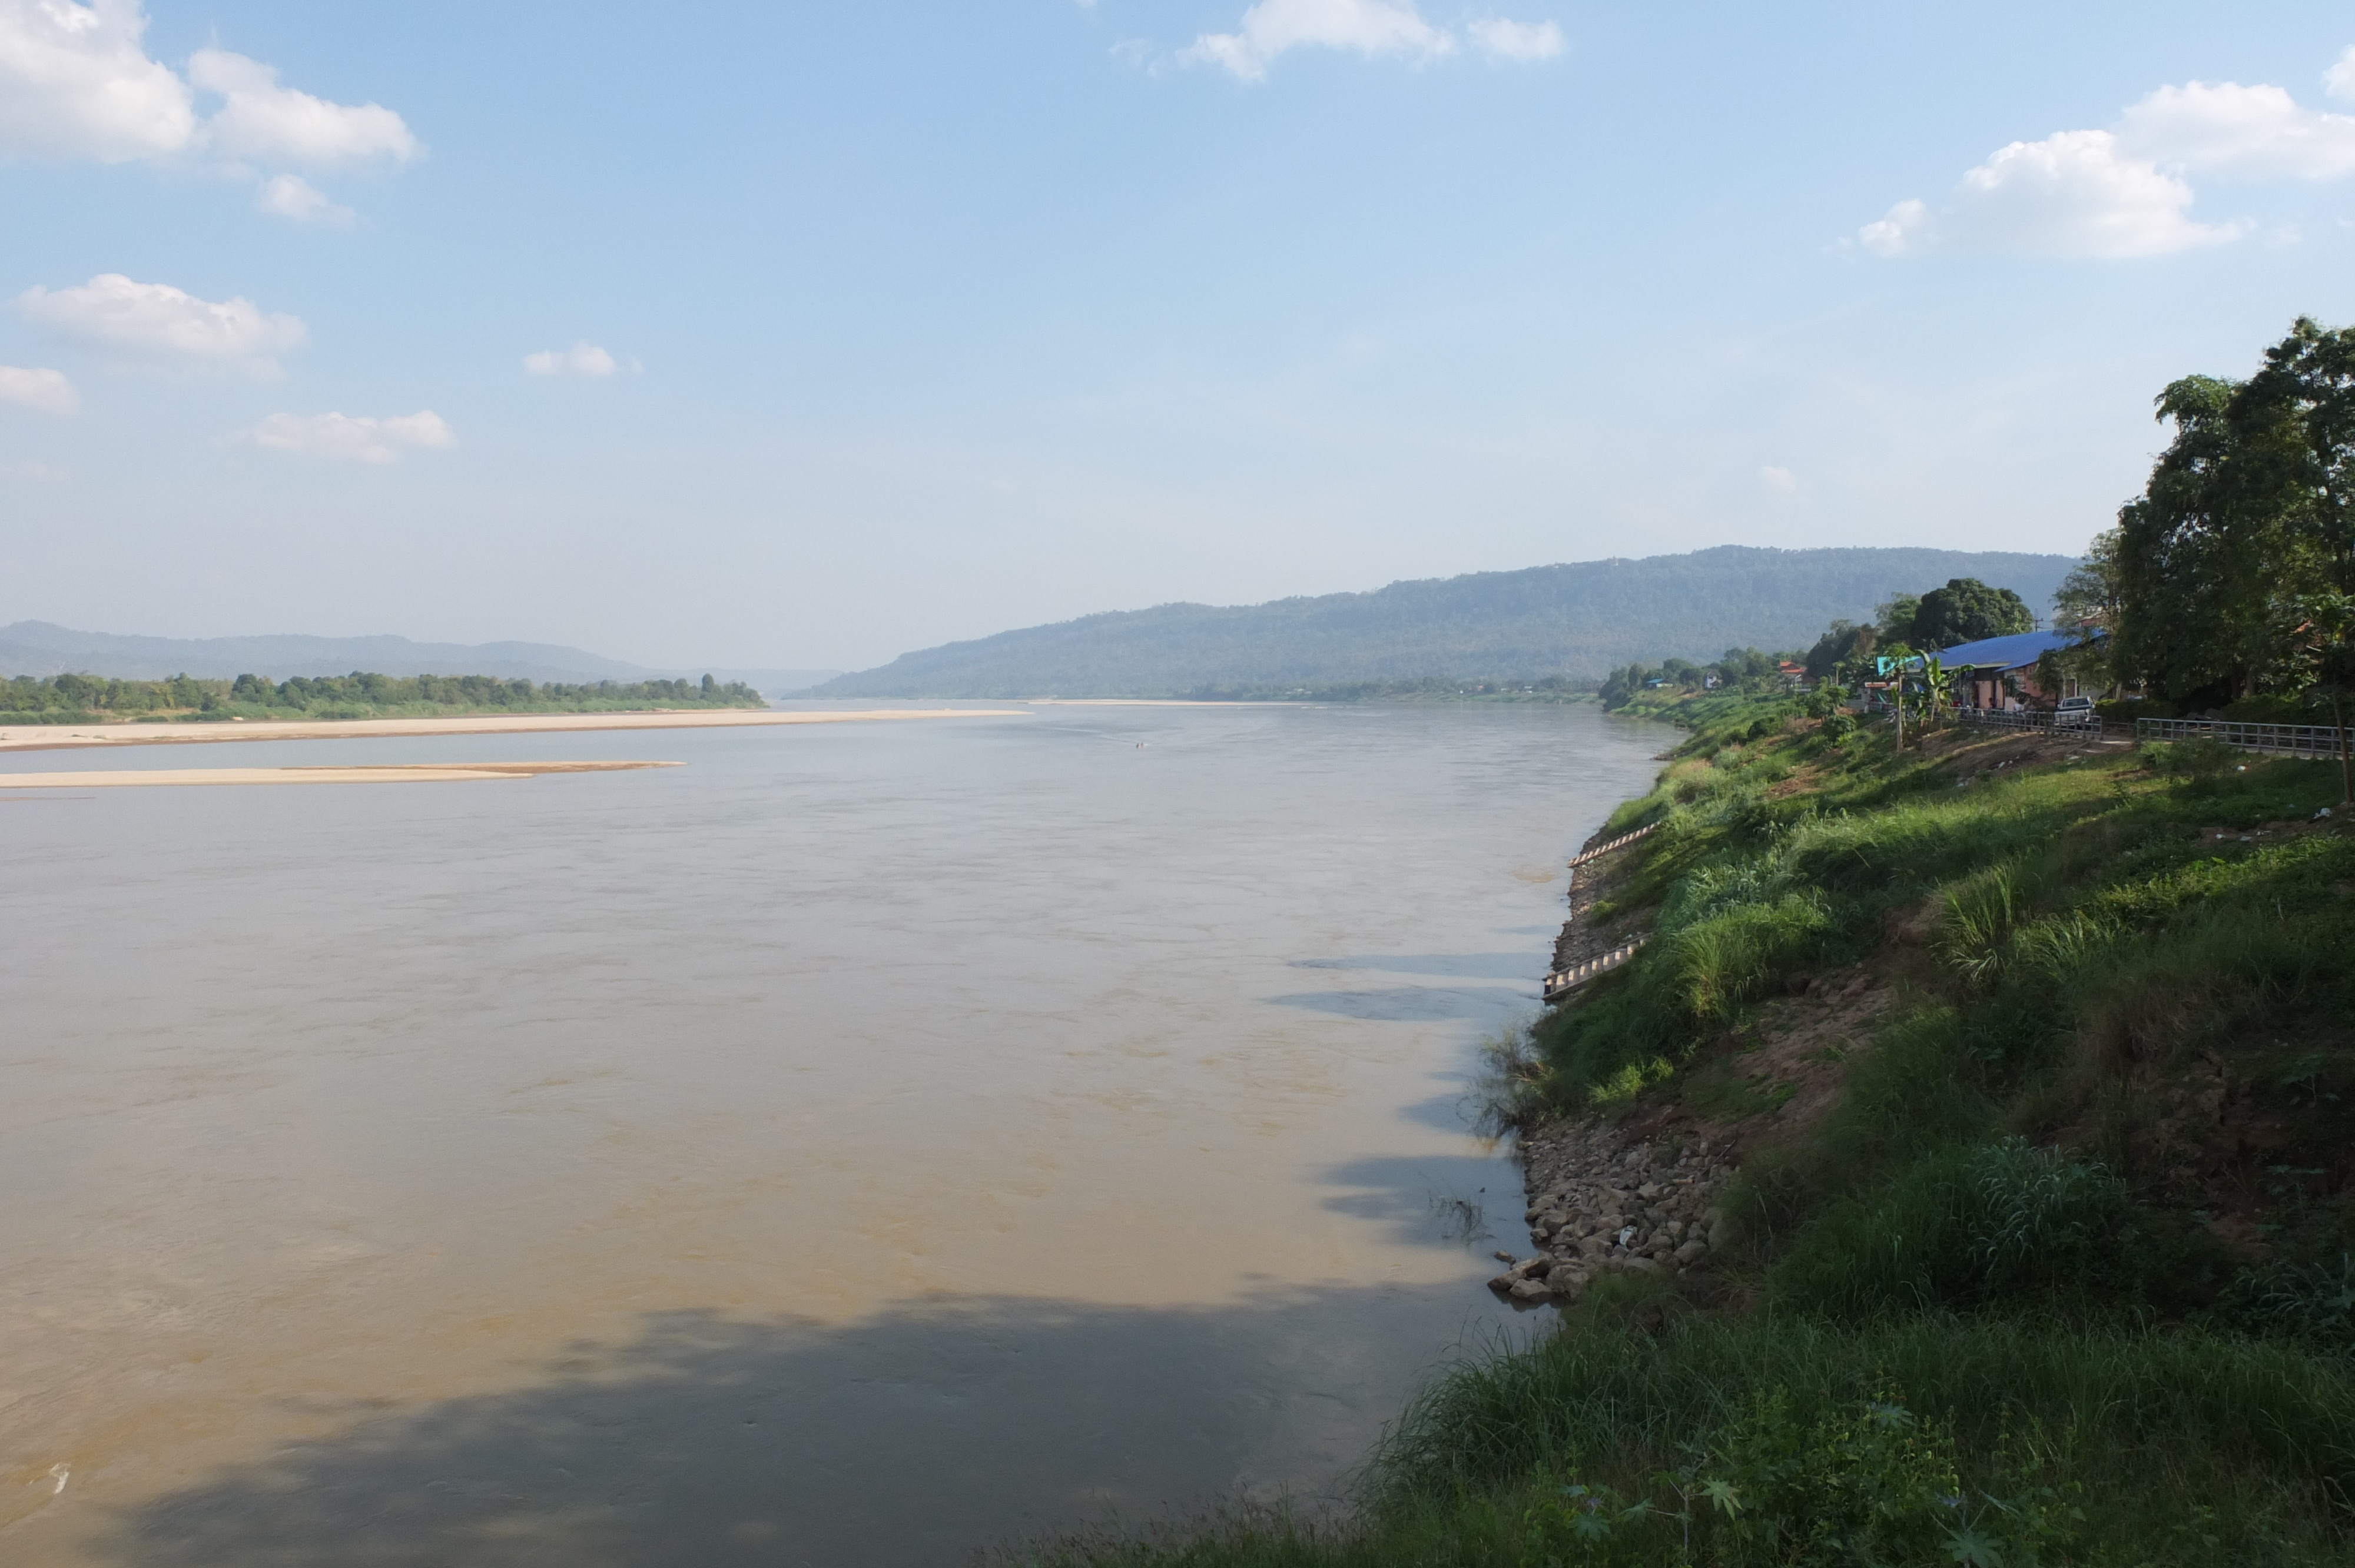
[862, 1144]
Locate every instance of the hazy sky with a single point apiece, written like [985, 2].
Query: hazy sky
[807, 334]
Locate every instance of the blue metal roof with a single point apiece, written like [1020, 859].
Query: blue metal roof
[2017, 651]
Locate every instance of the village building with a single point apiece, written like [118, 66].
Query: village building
[2000, 672]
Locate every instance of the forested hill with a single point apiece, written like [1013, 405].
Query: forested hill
[1578, 620]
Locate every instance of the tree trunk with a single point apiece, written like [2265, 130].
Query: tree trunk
[2346, 767]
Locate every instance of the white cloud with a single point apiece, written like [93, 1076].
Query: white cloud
[157, 319]
[76, 82]
[2338, 81]
[1272, 27]
[1517, 40]
[581, 359]
[296, 199]
[263, 123]
[2070, 194]
[46, 390]
[349, 437]
[2120, 192]
[1781, 480]
[2259, 133]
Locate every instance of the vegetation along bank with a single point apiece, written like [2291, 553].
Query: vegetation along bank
[93, 699]
[1959, 1172]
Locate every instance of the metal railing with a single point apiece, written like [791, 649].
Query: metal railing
[1598, 851]
[2030, 718]
[1562, 982]
[2311, 740]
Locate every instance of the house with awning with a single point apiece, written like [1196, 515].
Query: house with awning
[1980, 668]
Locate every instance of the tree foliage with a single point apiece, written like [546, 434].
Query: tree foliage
[1738, 669]
[1967, 610]
[2229, 563]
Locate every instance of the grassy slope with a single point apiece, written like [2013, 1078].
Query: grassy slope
[2057, 1273]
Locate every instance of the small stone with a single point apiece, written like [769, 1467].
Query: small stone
[1691, 1252]
[1504, 1258]
[1503, 1284]
[1529, 1290]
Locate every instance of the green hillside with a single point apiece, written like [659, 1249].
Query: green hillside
[1580, 620]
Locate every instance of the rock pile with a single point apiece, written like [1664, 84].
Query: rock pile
[1598, 1202]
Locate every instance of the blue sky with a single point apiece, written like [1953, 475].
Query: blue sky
[805, 334]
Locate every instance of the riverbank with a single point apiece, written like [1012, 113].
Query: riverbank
[49, 738]
[2005, 1085]
[397, 773]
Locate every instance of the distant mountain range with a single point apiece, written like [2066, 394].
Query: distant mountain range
[38, 648]
[1581, 620]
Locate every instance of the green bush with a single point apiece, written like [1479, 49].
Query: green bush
[1717, 964]
[1867, 1483]
[1963, 1228]
[2284, 1298]
[2201, 757]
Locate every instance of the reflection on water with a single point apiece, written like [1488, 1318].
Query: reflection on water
[859, 1144]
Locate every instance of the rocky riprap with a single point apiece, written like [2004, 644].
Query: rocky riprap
[1598, 1201]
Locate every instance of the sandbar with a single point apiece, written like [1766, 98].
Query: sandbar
[1156, 703]
[57, 737]
[395, 773]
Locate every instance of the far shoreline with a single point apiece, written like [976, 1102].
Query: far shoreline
[109, 737]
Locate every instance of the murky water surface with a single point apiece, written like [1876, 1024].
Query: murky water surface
[861, 1144]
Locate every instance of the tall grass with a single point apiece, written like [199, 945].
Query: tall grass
[2185, 1449]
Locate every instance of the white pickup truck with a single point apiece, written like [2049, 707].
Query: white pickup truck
[2076, 713]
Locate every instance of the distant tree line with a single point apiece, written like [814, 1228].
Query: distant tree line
[1965, 611]
[1739, 669]
[82, 698]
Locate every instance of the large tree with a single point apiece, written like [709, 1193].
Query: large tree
[2088, 596]
[1967, 610]
[2212, 554]
[2308, 384]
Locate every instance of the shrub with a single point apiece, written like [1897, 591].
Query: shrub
[2282, 1298]
[1867, 1483]
[1717, 964]
[2201, 757]
[1963, 1228]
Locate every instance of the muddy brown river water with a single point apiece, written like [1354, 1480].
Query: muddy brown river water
[860, 1145]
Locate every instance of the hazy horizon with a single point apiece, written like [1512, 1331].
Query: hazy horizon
[806, 338]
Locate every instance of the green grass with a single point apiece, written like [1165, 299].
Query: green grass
[2183, 1449]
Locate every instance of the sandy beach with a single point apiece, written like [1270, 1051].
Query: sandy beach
[57, 737]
